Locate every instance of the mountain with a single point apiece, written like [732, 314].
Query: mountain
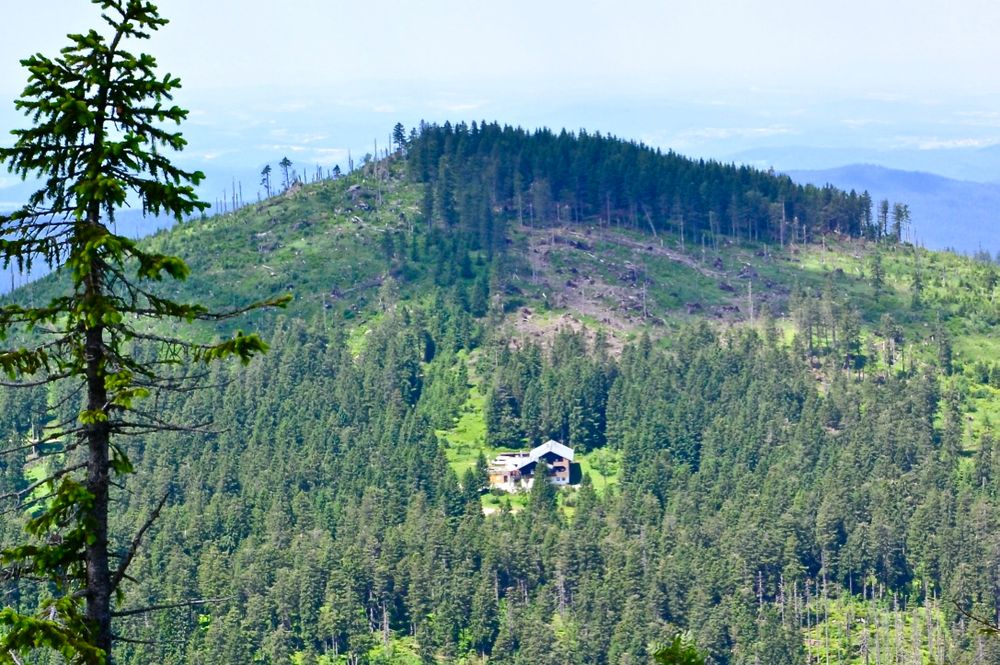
[785, 427]
[946, 213]
[974, 164]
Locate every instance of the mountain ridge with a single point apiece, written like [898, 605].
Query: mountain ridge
[946, 213]
[974, 164]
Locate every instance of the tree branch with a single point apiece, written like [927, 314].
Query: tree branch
[132, 640]
[141, 428]
[34, 384]
[8, 451]
[984, 624]
[35, 485]
[168, 606]
[19, 507]
[116, 578]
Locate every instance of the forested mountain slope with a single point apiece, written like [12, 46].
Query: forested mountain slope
[786, 417]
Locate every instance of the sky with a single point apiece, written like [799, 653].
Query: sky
[851, 47]
[882, 80]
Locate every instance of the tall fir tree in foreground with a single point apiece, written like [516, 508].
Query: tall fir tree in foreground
[97, 143]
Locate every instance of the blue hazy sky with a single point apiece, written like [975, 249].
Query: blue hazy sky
[851, 47]
[891, 81]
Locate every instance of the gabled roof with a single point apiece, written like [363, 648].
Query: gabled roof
[525, 463]
[551, 446]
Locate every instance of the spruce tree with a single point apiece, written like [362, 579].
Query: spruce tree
[399, 137]
[97, 143]
[286, 165]
[265, 179]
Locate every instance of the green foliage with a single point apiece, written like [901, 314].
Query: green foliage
[62, 636]
[680, 651]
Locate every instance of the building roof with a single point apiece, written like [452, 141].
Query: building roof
[552, 446]
[508, 461]
[524, 464]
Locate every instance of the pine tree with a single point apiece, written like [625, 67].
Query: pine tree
[882, 223]
[265, 179]
[399, 137]
[96, 140]
[877, 279]
[285, 165]
[900, 220]
[680, 651]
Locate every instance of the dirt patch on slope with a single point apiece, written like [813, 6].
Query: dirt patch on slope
[586, 288]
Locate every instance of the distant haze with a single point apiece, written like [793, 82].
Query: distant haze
[601, 47]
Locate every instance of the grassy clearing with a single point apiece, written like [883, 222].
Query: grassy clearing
[36, 471]
[466, 439]
[976, 346]
[514, 503]
[851, 632]
[984, 411]
[603, 466]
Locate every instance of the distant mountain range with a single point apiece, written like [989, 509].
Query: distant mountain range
[972, 164]
[946, 213]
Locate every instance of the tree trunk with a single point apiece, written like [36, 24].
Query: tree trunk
[98, 482]
[98, 435]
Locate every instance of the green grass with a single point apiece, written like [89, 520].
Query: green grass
[984, 412]
[309, 244]
[842, 628]
[513, 502]
[605, 459]
[399, 651]
[357, 336]
[975, 346]
[466, 439]
[36, 471]
[673, 284]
